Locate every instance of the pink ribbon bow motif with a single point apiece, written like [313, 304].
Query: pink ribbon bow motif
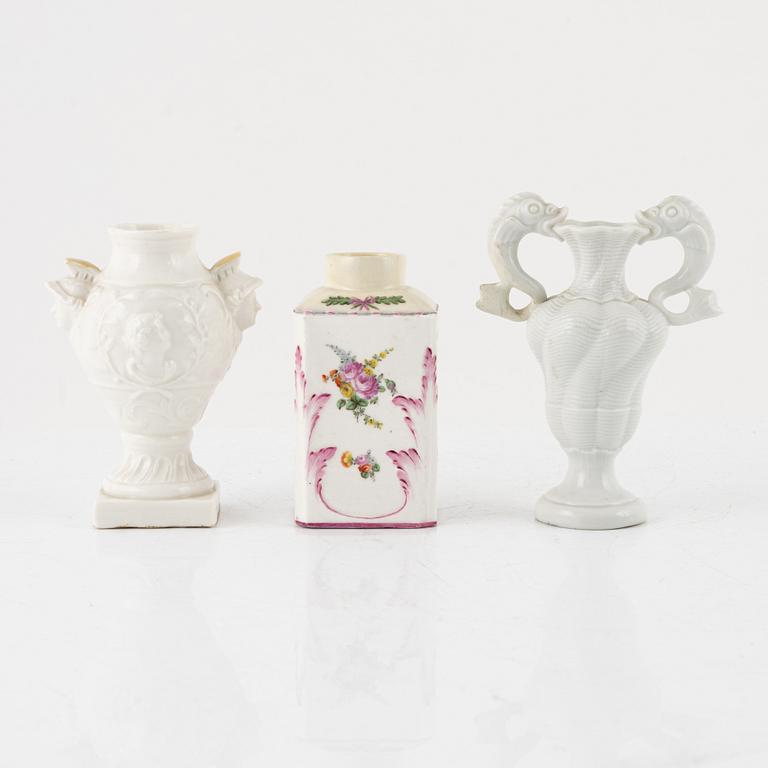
[366, 303]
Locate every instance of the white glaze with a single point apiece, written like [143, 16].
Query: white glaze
[596, 341]
[155, 332]
[364, 310]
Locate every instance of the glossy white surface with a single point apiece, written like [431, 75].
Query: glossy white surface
[400, 439]
[375, 465]
[596, 341]
[190, 512]
[490, 640]
[295, 128]
[364, 271]
[363, 276]
[155, 332]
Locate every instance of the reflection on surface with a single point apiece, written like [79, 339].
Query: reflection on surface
[366, 663]
[157, 689]
[591, 701]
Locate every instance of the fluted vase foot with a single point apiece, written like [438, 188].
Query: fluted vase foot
[590, 518]
[590, 497]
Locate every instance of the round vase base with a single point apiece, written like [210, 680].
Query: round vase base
[191, 512]
[590, 518]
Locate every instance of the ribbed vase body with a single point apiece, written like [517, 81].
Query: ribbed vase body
[596, 343]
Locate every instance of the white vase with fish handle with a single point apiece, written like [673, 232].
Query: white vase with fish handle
[155, 332]
[596, 341]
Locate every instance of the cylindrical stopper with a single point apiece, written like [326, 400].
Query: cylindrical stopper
[364, 271]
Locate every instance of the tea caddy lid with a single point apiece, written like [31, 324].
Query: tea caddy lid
[366, 283]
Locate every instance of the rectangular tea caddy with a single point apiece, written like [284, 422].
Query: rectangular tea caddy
[366, 398]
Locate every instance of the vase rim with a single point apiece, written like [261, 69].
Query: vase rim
[151, 231]
[364, 270]
[367, 254]
[573, 223]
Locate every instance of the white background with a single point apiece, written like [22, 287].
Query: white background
[290, 129]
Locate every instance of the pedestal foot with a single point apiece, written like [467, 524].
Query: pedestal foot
[193, 512]
[590, 518]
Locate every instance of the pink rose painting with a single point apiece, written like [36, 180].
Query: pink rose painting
[367, 386]
[360, 383]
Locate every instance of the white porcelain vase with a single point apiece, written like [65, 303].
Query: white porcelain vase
[155, 332]
[597, 340]
[366, 398]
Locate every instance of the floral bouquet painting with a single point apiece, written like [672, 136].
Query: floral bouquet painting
[366, 464]
[360, 384]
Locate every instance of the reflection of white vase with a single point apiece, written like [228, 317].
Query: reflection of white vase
[155, 332]
[366, 398]
[152, 640]
[596, 341]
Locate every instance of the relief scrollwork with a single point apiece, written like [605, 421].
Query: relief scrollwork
[166, 408]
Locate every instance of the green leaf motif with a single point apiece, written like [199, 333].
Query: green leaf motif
[333, 301]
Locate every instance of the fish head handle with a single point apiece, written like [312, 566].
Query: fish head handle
[683, 220]
[520, 215]
[72, 292]
[239, 290]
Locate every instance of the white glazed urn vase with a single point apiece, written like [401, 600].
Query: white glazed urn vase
[366, 398]
[596, 341]
[155, 332]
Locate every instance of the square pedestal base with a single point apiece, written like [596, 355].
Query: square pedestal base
[194, 512]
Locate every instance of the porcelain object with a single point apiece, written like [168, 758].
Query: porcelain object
[366, 398]
[597, 340]
[155, 332]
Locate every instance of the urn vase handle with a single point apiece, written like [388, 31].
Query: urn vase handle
[72, 292]
[238, 289]
[683, 220]
[521, 215]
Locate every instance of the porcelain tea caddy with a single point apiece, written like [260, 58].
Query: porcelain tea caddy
[597, 340]
[155, 332]
[366, 398]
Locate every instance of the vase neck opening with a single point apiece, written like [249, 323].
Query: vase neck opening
[163, 253]
[600, 251]
[364, 271]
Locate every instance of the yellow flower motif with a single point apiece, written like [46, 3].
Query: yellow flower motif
[372, 363]
[346, 390]
[368, 370]
[347, 459]
[383, 354]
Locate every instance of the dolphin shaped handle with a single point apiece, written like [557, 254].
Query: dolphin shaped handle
[683, 220]
[521, 215]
